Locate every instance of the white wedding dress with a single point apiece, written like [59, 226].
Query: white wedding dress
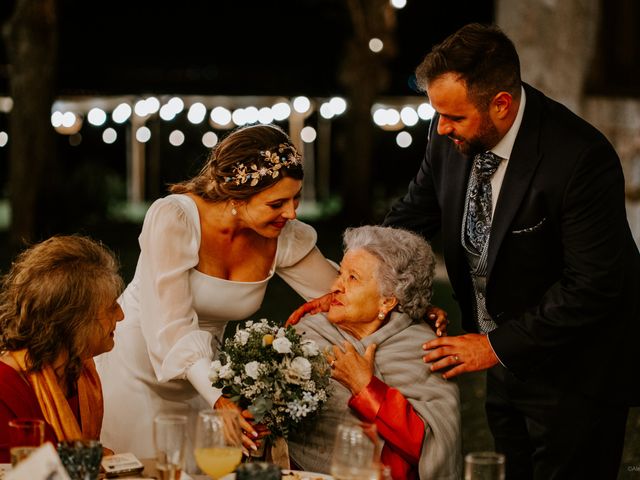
[175, 318]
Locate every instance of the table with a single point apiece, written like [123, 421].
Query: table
[151, 472]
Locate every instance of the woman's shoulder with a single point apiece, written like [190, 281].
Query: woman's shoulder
[295, 242]
[174, 213]
[407, 341]
[7, 371]
[176, 203]
[421, 328]
[316, 327]
[300, 231]
[405, 327]
[16, 392]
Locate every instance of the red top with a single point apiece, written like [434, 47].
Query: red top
[17, 399]
[397, 422]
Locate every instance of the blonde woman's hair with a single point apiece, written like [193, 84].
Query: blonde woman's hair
[51, 298]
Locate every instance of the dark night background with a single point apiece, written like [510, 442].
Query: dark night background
[281, 48]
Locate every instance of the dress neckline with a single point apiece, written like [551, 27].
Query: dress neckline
[196, 221]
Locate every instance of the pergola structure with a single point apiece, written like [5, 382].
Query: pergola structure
[310, 133]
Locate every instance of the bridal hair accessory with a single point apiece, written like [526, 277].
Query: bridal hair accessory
[284, 156]
[234, 212]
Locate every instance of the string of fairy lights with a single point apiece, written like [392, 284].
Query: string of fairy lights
[69, 115]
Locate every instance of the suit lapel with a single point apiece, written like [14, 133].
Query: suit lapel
[523, 162]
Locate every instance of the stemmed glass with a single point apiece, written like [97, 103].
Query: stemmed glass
[169, 435]
[356, 454]
[218, 446]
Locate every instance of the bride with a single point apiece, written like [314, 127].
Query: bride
[207, 253]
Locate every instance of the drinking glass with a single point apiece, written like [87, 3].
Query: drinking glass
[169, 436]
[356, 453]
[218, 446]
[484, 466]
[25, 435]
[81, 458]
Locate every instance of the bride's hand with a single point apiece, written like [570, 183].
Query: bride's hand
[248, 432]
[317, 305]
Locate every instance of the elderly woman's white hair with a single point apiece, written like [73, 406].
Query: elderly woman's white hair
[406, 265]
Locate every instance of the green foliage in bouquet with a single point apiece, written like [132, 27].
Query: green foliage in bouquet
[279, 377]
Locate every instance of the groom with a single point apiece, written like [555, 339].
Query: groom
[530, 201]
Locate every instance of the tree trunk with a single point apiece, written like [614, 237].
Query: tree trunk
[31, 40]
[364, 75]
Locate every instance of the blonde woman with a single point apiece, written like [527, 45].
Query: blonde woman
[58, 309]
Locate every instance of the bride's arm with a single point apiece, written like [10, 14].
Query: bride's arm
[176, 346]
[312, 276]
[305, 269]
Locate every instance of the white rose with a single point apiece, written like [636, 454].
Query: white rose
[282, 345]
[226, 371]
[310, 348]
[242, 336]
[281, 332]
[301, 367]
[252, 369]
[214, 371]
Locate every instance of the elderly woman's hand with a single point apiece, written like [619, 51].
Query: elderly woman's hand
[351, 369]
[437, 319]
[317, 305]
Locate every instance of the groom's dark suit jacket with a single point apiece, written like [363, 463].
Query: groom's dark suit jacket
[563, 280]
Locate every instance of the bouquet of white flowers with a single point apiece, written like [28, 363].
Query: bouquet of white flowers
[270, 370]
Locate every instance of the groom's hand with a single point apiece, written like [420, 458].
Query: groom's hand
[464, 353]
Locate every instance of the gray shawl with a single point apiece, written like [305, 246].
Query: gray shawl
[398, 363]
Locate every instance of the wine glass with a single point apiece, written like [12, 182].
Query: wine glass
[169, 436]
[356, 453]
[218, 446]
[484, 466]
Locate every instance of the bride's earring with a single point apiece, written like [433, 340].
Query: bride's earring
[234, 212]
[381, 315]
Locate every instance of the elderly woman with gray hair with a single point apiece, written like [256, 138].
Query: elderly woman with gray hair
[374, 330]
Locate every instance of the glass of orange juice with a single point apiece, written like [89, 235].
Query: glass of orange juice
[218, 445]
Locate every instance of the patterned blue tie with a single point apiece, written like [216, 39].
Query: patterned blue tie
[478, 223]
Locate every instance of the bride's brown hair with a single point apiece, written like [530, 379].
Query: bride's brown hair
[243, 146]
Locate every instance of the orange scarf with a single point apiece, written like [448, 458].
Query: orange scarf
[54, 404]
